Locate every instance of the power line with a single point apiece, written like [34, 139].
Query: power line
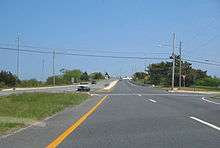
[87, 50]
[206, 27]
[107, 56]
[85, 55]
[208, 41]
[204, 60]
[201, 62]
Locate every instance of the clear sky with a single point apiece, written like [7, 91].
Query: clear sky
[133, 26]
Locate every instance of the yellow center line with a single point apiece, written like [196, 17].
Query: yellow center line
[68, 131]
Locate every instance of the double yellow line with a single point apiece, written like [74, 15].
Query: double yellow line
[68, 131]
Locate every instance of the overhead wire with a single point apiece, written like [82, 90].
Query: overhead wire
[85, 55]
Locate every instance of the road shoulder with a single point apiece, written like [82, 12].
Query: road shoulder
[40, 135]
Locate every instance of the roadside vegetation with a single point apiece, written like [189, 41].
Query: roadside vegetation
[160, 75]
[18, 110]
[141, 78]
[66, 77]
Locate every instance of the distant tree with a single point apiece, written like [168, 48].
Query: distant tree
[59, 80]
[140, 75]
[97, 76]
[69, 74]
[161, 73]
[30, 83]
[209, 81]
[62, 70]
[84, 77]
[8, 79]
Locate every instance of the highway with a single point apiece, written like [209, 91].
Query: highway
[130, 116]
[57, 89]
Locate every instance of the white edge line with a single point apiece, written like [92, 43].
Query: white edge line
[203, 98]
[206, 123]
[183, 95]
[152, 100]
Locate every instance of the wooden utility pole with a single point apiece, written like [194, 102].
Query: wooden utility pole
[173, 55]
[180, 69]
[54, 80]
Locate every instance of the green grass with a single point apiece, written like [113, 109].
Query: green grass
[201, 88]
[34, 106]
[5, 127]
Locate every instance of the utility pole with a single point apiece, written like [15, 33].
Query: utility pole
[54, 81]
[180, 70]
[42, 72]
[18, 52]
[173, 55]
[145, 65]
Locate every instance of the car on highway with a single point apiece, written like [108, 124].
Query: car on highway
[83, 88]
[93, 82]
[84, 83]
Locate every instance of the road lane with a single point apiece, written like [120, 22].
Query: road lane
[126, 119]
[75, 125]
[131, 121]
[192, 106]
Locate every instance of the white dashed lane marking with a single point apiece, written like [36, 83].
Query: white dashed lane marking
[152, 100]
[205, 123]
[203, 98]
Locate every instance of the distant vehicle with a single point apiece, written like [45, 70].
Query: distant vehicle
[83, 88]
[84, 83]
[93, 82]
[126, 78]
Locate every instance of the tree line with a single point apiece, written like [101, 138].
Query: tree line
[161, 74]
[75, 76]
[8, 79]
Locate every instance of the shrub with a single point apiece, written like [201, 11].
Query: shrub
[209, 81]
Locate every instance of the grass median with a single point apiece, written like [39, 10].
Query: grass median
[18, 110]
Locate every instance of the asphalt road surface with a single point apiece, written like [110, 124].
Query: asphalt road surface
[132, 116]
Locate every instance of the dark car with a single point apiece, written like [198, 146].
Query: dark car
[93, 82]
[84, 83]
[83, 88]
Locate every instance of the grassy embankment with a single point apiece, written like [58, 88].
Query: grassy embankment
[201, 88]
[23, 109]
[196, 88]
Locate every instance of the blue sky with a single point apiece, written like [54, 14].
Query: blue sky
[134, 26]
